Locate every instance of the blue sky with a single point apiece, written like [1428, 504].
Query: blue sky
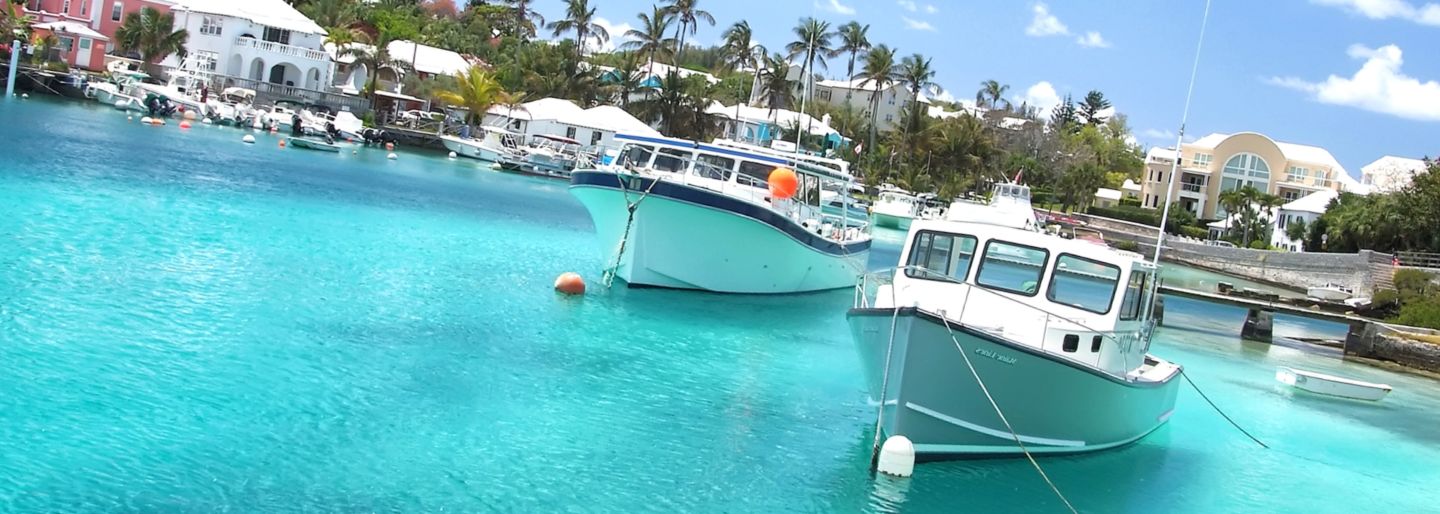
[1352, 76]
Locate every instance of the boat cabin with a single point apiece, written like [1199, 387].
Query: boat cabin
[740, 173]
[1078, 300]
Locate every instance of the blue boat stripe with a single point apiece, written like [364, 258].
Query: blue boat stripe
[702, 146]
[722, 202]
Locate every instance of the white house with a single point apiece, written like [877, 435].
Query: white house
[856, 94]
[262, 40]
[426, 60]
[559, 117]
[761, 126]
[1306, 210]
[1390, 173]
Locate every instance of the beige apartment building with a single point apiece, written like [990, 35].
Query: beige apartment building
[1223, 162]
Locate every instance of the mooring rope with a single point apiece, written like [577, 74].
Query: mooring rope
[1221, 412]
[1000, 413]
[608, 277]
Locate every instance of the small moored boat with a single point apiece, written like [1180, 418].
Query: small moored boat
[309, 143]
[1330, 385]
[896, 208]
[1330, 292]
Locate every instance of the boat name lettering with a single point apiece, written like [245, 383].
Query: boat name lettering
[996, 356]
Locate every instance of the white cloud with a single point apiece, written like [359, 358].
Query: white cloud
[931, 9]
[908, 5]
[1427, 14]
[1378, 86]
[917, 25]
[1044, 23]
[1157, 134]
[1093, 39]
[1041, 96]
[835, 6]
[617, 36]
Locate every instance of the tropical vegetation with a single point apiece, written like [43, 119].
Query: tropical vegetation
[151, 34]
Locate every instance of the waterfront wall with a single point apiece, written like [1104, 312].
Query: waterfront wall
[1383, 342]
[1362, 272]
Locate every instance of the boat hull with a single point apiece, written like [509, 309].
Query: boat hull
[1328, 385]
[689, 238]
[313, 145]
[472, 150]
[1327, 294]
[894, 221]
[1054, 405]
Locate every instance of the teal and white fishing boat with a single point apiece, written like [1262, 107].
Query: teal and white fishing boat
[895, 208]
[993, 340]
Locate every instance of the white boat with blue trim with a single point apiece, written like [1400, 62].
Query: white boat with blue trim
[681, 214]
[992, 340]
[895, 208]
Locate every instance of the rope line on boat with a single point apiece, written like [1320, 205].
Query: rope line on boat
[608, 277]
[1221, 412]
[1000, 413]
[884, 384]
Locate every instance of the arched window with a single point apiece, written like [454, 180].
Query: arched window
[1245, 169]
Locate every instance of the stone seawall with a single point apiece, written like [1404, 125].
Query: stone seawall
[1384, 342]
[1295, 270]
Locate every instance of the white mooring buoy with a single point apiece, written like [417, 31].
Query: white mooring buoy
[452, 155]
[248, 139]
[897, 457]
[392, 156]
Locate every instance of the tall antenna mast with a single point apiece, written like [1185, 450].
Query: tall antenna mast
[1180, 138]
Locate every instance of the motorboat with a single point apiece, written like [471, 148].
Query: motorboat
[555, 155]
[183, 89]
[987, 336]
[1008, 205]
[231, 107]
[1330, 292]
[837, 204]
[495, 144]
[895, 208]
[310, 143]
[1330, 385]
[930, 207]
[689, 215]
[120, 91]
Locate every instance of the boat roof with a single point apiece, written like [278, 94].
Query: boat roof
[823, 161]
[561, 139]
[1054, 244]
[779, 159]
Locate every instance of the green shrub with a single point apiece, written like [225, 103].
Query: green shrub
[1179, 218]
[1129, 246]
[1421, 312]
[368, 119]
[1130, 202]
[1413, 282]
[1259, 244]
[1384, 297]
[1195, 232]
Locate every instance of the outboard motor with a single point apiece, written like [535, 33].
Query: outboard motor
[296, 128]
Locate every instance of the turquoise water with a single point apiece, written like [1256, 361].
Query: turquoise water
[190, 324]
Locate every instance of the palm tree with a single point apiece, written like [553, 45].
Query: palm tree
[527, 20]
[152, 34]
[992, 95]
[812, 40]
[739, 49]
[475, 90]
[330, 13]
[628, 80]
[580, 18]
[918, 77]
[680, 107]
[853, 40]
[690, 18]
[341, 37]
[775, 90]
[650, 38]
[374, 58]
[878, 69]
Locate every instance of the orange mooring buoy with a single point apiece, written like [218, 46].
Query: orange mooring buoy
[389, 147]
[282, 143]
[570, 283]
[185, 124]
[783, 183]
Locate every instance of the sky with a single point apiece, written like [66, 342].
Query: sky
[1351, 76]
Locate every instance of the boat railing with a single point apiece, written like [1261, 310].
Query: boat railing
[876, 289]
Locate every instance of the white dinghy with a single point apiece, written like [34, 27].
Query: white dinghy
[1330, 385]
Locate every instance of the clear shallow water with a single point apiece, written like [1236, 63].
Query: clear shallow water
[189, 324]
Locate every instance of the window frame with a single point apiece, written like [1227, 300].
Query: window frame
[1055, 271]
[686, 157]
[980, 270]
[117, 10]
[211, 26]
[1139, 306]
[950, 279]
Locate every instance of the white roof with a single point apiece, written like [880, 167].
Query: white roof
[1108, 194]
[1391, 162]
[781, 117]
[1161, 153]
[660, 70]
[1130, 185]
[605, 117]
[271, 13]
[614, 119]
[1315, 202]
[432, 60]
[70, 27]
[1291, 151]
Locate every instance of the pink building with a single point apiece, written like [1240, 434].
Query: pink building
[97, 17]
[79, 46]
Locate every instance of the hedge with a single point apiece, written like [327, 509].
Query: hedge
[1180, 219]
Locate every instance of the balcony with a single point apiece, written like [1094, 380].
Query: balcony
[282, 49]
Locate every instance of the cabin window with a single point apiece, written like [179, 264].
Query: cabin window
[714, 167]
[672, 160]
[1132, 304]
[755, 174]
[595, 137]
[570, 132]
[637, 156]
[937, 256]
[1070, 343]
[1012, 267]
[1083, 283]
